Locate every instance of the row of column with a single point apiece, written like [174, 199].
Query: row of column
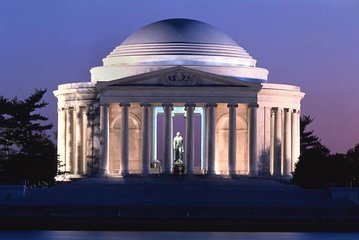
[189, 141]
[73, 131]
[286, 144]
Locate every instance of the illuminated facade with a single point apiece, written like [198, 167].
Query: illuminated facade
[109, 126]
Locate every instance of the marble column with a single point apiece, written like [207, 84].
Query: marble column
[85, 138]
[167, 137]
[89, 160]
[211, 138]
[253, 163]
[232, 139]
[189, 142]
[277, 169]
[61, 139]
[272, 130]
[295, 139]
[78, 136]
[124, 139]
[287, 163]
[145, 138]
[104, 124]
[69, 140]
[298, 138]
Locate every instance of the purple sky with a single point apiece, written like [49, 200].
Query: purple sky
[313, 44]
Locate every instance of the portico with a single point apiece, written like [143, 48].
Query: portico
[143, 105]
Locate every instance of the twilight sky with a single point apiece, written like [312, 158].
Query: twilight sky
[313, 44]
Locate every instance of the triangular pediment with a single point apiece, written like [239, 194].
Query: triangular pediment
[178, 76]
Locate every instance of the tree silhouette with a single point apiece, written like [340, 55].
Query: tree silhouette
[311, 171]
[307, 138]
[318, 168]
[25, 147]
[352, 157]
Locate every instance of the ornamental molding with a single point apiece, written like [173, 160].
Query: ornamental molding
[179, 79]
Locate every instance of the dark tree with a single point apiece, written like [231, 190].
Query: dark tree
[26, 150]
[312, 167]
[307, 138]
[339, 170]
[352, 157]
[318, 168]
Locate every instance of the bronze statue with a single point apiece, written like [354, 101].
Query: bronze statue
[178, 147]
[178, 164]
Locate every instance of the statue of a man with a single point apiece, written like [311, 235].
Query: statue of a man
[178, 147]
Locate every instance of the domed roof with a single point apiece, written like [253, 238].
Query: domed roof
[179, 30]
[179, 42]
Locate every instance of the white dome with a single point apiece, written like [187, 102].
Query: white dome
[179, 30]
[180, 42]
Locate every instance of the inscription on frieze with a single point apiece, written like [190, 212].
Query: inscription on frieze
[179, 79]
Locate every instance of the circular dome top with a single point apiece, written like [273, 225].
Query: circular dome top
[179, 42]
[179, 30]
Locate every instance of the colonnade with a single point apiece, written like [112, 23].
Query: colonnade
[286, 140]
[75, 131]
[210, 131]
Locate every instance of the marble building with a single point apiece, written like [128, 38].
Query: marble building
[109, 125]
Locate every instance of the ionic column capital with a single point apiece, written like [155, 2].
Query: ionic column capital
[189, 106]
[232, 105]
[211, 105]
[279, 111]
[167, 105]
[77, 108]
[87, 107]
[253, 105]
[124, 104]
[90, 110]
[145, 104]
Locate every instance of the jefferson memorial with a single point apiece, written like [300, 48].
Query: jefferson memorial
[170, 74]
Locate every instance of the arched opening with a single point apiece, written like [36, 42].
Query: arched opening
[134, 143]
[221, 155]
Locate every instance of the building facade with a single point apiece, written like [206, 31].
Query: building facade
[109, 126]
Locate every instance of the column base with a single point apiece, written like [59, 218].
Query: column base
[287, 177]
[213, 176]
[103, 172]
[282, 177]
[124, 173]
[168, 172]
[145, 174]
[76, 176]
[232, 173]
[104, 175]
[63, 178]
